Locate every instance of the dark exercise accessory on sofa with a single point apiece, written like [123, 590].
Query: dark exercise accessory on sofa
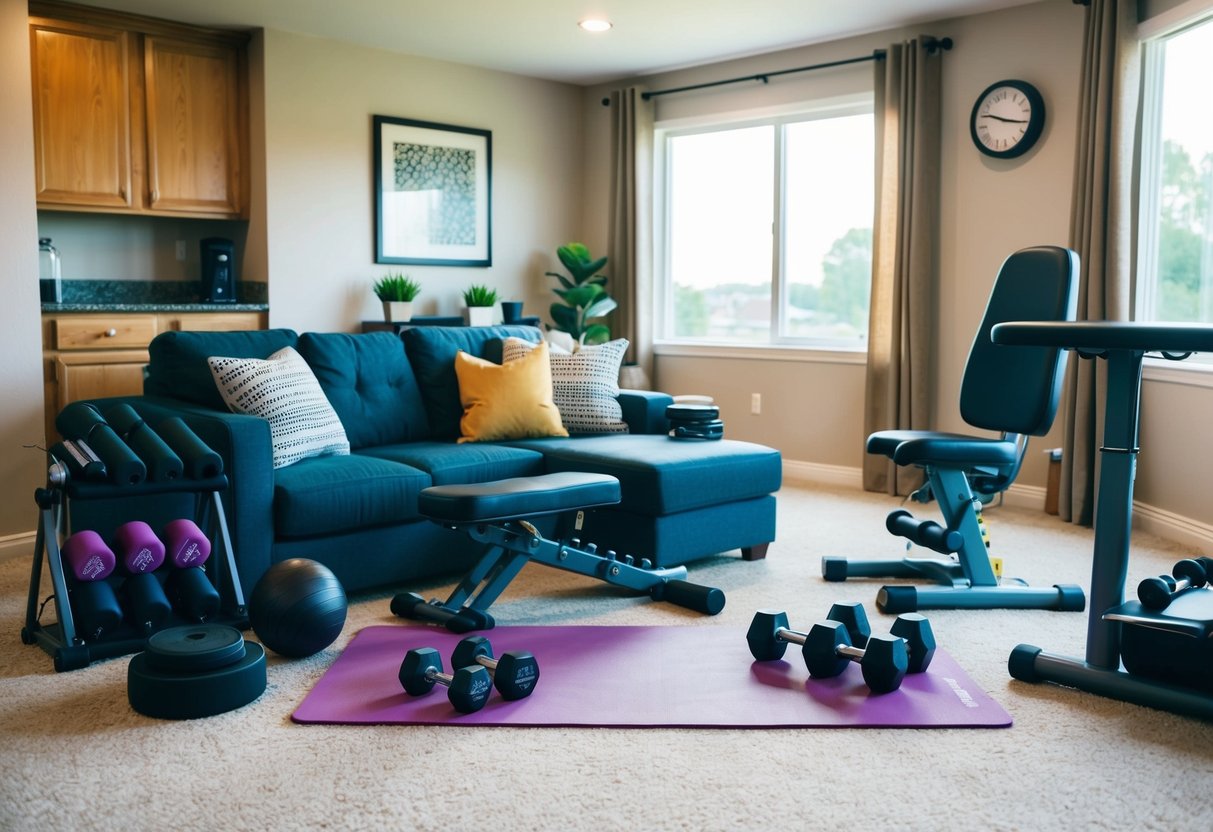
[1157, 593]
[493, 513]
[515, 674]
[468, 689]
[769, 634]
[195, 671]
[162, 464]
[199, 460]
[1118, 629]
[298, 607]
[694, 421]
[79, 420]
[1014, 392]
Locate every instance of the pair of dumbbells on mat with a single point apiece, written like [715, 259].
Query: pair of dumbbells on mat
[138, 554]
[831, 645]
[476, 672]
[1188, 574]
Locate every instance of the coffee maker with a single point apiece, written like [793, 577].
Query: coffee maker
[218, 270]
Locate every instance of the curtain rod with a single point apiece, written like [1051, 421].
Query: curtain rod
[931, 44]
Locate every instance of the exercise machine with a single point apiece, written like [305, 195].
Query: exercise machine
[1012, 391]
[495, 514]
[1114, 624]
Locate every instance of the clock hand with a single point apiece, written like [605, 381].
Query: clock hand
[1008, 120]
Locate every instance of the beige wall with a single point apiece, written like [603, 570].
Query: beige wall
[319, 99]
[812, 410]
[22, 465]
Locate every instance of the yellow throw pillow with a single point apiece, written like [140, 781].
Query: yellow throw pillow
[507, 401]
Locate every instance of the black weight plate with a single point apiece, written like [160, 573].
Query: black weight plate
[194, 648]
[169, 695]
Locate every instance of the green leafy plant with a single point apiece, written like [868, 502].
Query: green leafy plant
[396, 287]
[479, 296]
[584, 296]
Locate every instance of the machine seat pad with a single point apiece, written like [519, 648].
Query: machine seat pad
[951, 450]
[519, 497]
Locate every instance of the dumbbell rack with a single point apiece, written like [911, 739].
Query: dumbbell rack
[61, 639]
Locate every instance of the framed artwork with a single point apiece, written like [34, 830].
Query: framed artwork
[432, 193]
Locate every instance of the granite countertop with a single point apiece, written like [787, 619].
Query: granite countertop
[150, 296]
[154, 307]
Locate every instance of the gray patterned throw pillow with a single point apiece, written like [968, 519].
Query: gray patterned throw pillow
[585, 384]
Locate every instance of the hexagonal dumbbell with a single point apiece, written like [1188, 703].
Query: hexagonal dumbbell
[908, 648]
[468, 688]
[769, 634]
[514, 674]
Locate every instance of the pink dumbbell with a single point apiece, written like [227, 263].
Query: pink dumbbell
[88, 556]
[194, 596]
[138, 547]
[141, 554]
[92, 599]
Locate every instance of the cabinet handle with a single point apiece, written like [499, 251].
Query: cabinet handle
[110, 333]
[155, 195]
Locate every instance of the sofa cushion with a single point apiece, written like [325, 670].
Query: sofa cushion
[333, 494]
[585, 384]
[282, 390]
[507, 401]
[659, 475]
[370, 384]
[449, 463]
[431, 351]
[177, 365]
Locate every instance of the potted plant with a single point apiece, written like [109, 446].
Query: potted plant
[397, 292]
[480, 302]
[584, 296]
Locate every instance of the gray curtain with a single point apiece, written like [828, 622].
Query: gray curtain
[629, 239]
[1102, 226]
[904, 264]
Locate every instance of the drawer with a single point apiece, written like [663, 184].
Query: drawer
[96, 332]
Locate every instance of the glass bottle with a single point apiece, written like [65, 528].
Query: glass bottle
[49, 283]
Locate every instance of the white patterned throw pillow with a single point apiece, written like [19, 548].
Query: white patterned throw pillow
[283, 390]
[585, 384]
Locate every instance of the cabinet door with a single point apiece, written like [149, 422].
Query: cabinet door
[82, 119]
[95, 375]
[194, 127]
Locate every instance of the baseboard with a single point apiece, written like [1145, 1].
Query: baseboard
[1165, 524]
[17, 546]
[820, 474]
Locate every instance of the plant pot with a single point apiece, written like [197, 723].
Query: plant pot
[511, 311]
[397, 311]
[480, 315]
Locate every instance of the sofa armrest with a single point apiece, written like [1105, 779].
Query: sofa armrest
[644, 410]
[243, 442]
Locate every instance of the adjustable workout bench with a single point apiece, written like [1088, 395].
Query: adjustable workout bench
[494, 513]
[1123, 345]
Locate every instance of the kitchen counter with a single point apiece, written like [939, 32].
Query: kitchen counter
[103, 306]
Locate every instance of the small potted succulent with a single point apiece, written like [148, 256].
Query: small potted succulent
[397, 292]
[481, 302]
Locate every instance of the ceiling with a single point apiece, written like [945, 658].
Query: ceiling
[540, 38]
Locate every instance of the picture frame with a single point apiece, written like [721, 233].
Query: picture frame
[433, 193]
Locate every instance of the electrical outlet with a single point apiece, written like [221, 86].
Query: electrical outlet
[755, 403]
[181, 250]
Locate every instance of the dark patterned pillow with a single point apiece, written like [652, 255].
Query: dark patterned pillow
[282, 390]
[585, 384]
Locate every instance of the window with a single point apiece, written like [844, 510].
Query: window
[768, 230]
[1175, 254]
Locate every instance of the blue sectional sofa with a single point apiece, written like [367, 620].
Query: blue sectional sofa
[398, 400]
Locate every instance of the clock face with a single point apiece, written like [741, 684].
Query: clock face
[1007, 119]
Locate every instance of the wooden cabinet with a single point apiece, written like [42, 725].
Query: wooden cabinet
[88, 356]
[137, 115]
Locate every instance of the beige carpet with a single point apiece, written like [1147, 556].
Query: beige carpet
[73, 755]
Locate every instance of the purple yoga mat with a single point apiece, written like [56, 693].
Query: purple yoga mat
[642, 677]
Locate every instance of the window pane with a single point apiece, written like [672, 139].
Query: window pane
[828, 228]
[1182, 279]
[720, 209]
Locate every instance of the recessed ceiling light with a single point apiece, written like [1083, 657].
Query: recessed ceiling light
[594, 24]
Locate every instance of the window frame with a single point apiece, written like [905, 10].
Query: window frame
[1153, 34]
[781, 347]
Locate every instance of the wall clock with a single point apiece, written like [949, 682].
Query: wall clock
[1007, 119]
